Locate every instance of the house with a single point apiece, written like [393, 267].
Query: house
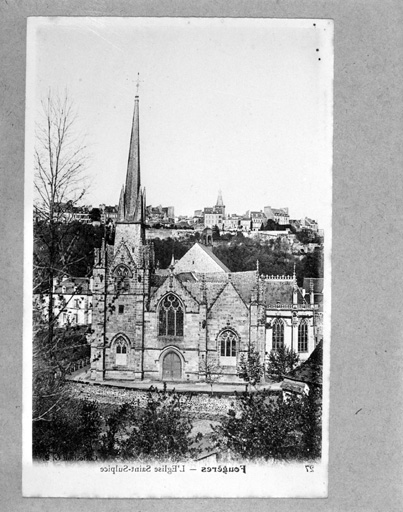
[215, 216]
[257, 220]
[279, 215]
[72, 301]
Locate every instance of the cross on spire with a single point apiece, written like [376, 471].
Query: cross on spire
[138, 81]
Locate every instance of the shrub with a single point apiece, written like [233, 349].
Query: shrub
[269, 427]
[280, 362]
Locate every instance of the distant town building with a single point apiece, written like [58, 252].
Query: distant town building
[258, 220]
[232, 222]
[108, 213]
[281, 216]
[215, 216]
[245, 223]
[311, 224]
[72, 301]
[68, 212]
[160, 215]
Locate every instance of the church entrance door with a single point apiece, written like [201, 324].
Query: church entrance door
[171, 367]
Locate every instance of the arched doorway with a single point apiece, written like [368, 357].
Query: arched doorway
[171, 367]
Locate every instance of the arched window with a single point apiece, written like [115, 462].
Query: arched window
[122, 274]
[227, 343]
[278, 334]
[303, 336]
[170, 317]
[121, 353]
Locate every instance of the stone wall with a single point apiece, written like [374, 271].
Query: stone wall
[201, 406]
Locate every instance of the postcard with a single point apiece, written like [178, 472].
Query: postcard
[177, 257]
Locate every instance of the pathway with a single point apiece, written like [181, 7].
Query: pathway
[83, 375]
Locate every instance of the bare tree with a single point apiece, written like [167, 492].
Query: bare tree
[60, 159]
[60, 164]
[60, 175]
[211, 371]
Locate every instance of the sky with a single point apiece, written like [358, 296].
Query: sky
[238, 105]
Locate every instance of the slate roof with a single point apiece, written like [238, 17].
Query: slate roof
[158, 279]
[209, 251]
[244, 283]
[311, 370]
[277, 291]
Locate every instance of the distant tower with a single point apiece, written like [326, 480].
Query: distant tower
[219, 207]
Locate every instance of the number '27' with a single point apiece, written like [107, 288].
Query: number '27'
[309, 468]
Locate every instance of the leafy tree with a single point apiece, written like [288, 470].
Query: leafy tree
[162, 430]
[306, 236]
[250, 368]
[51, 400]
[165, 248]
[216, 232]
[280, 362]
[271, 225]
[70, 432]
[95, 215]
[111, 436]
[78, 430]
[263, 426]
[313, 264]
[311, 424]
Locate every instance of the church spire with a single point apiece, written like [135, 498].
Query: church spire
[220, 202]
[133, 206]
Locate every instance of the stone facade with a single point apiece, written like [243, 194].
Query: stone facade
[194, 318]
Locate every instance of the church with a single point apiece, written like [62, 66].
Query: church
[197, 316]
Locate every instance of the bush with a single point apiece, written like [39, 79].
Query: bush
[160, 431]
[70, 432]
[249, 368]
[269, 427]
[281, 362]
[79, 430]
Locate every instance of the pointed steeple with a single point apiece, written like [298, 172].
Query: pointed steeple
[133, 206]
[121, 208]
[220, 202]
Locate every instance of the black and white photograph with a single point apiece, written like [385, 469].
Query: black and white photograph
[178, 208]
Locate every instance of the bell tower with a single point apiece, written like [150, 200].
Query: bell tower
[130, 222]
[122, 277]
